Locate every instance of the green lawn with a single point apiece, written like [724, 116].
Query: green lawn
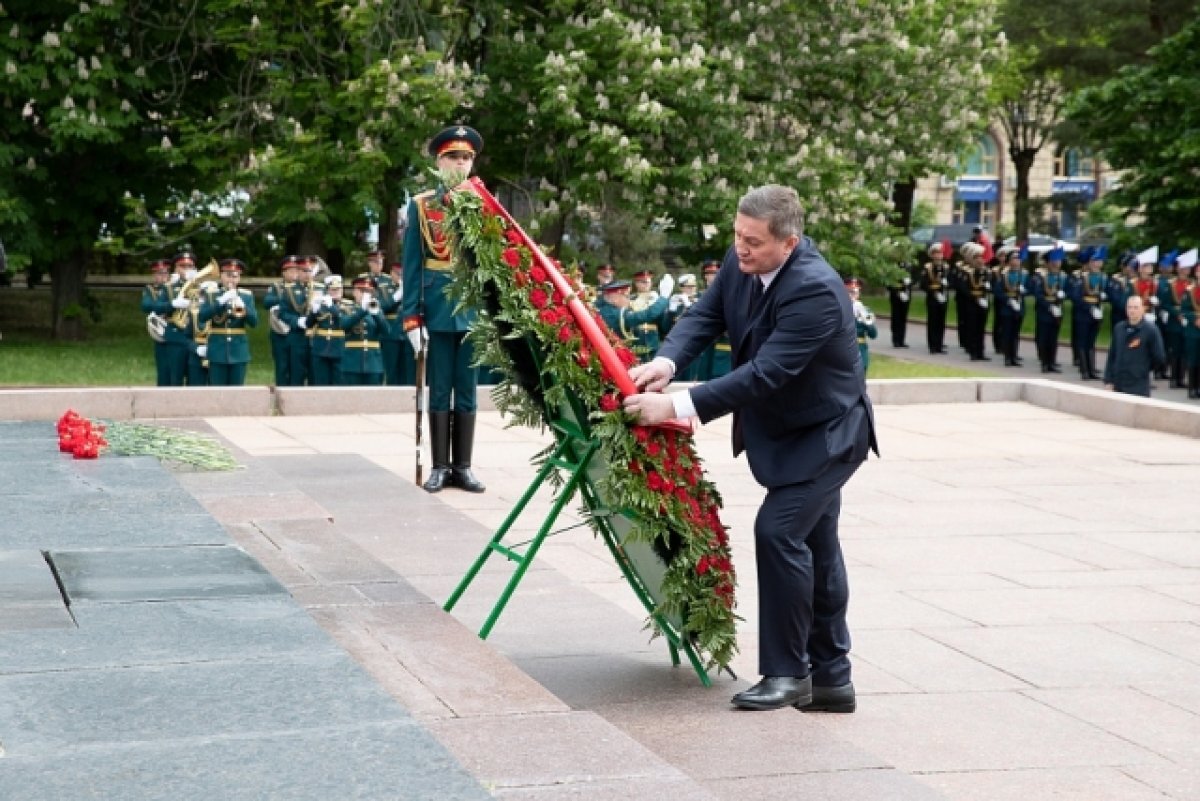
[118, 352]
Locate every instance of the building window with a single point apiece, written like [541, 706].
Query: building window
[984, 158]
[975, 212]
[1074, 162]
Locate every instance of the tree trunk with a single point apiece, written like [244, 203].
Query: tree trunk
[304, 240]
[389, 234]
[903, 195]
[67, 291]
[1022, 163]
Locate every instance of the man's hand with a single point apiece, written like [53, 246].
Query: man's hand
[651, 408]
[654, 375]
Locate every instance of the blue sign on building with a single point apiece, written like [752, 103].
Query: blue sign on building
[978, 189]
[1084, 189]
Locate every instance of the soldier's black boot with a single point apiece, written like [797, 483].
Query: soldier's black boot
[1194, 381]
[464, 442]
[439, 443]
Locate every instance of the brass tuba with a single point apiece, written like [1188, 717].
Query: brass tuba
[191, 288]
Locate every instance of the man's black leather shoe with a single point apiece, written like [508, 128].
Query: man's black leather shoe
[832, 699]
[776, 692]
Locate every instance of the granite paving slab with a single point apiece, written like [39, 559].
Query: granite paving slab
[356, 762]
[26, 527]
[29, 594]
[159, 574]
[146, 634]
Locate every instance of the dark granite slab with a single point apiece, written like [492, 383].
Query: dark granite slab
[172, 632]
[29, 595]
[158, 574]
[394, 761]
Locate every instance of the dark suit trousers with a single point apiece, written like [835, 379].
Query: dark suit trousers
[802, 585]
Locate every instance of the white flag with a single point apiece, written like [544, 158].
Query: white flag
[1188, 259]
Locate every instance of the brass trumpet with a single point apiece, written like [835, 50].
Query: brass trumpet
[191, 289]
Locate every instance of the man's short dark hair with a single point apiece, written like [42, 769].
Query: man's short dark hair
[778, 205]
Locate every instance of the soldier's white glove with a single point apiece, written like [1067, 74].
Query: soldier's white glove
[366, 299]
[675, 304]
[202, 351]
[945, 282]
[302, 322]
[181, 303]
[398, 295]
[315, 302]
[189, 274]
[208, 287]
[1154, 300]
[227, 297]
[1060, 294]
[326, 301]
[417, 337]
[907, 281]
[666, 286]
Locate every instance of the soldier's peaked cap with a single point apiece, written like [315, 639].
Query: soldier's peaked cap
[454, 139]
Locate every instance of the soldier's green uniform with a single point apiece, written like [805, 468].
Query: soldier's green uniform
[449, 363]
[193, 368]
[717, 359]
[397, 370]
[156, 299]
[293, 306]
[623, 321]
[362, 360]
[864, 322]
[228, 348]
[327, 340]
[278, 341]
[648, 335]
[678, 306]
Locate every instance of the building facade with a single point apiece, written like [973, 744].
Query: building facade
[983, 193]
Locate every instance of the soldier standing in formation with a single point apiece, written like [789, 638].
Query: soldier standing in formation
[647, 334]
[678, 306]
[392, 342]
[1010, 288]
[362, 321]
[935, 281]
[430, 318]
[229, 314]
[195, 370]
[328, 340]
[156, 305]
[717, 358]
[287, 304]
[618, 312]
[974, 298]
[864, 321]
[1172, 292]
[899, 299]
[1049, 288]
[1089, 293]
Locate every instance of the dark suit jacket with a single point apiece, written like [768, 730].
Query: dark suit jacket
[797, 389]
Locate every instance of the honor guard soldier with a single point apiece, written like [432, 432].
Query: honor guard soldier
[327, 340]
[648, 334]
[864, 321]
[1191, 325]
[1049, 289]
[605, 274]
[362, 320]
[170, 352]
[229, 313]
[406, 366]
[1172, 292]
[1010, 288]
[618, 312]
[1161, 318]
[974, 299]
[393, 344]
[430, 318]
[196, 370]
[717, 359]
[678, 306]
[1120, 287]
[935, 282]
[899, 299]
[1089, 293]
[289, 305]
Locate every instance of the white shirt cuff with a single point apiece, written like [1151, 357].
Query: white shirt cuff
[684, 408]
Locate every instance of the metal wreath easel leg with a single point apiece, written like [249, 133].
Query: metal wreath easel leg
[571, 455]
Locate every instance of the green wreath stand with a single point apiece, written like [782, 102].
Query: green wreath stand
[576, 466]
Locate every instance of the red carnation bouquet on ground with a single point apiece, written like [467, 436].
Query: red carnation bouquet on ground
[79, 436]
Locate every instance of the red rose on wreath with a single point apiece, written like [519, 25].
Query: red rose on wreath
[609, 402]
[539, 298]
[538, 274]
[512, 257]
[513, 236]
[548, 316]
[565, 333]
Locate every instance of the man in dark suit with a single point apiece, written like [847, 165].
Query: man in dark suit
[801, 413]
